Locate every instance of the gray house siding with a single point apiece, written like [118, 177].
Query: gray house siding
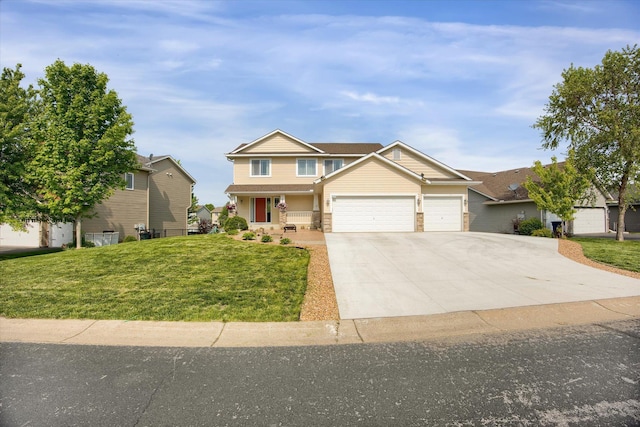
[497, 218]
[169, 198]
[631, 219]
[122, 211]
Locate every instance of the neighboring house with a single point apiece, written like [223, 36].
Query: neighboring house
[501, 200]
[215, 216]
[631, 216]
[201, 213]
[156, 196]
[279, 179]
[37, 234]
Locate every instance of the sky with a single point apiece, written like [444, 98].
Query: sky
[461, 81]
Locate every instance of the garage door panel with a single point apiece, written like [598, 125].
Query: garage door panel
[373, 214]
[442, 214]
[589, 220]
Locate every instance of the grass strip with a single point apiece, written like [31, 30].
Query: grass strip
[624, 255]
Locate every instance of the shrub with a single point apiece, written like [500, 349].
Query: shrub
[236, 222]
[129, 238]
[285, 241]
[266, 238]
[249, 236]
[542, 232]
[204, 226]
[233, 232]
[529, 225]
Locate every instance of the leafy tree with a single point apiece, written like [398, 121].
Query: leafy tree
[559, 188]
[17, 107]
[210, 206]
[598, 111]
[82, 142]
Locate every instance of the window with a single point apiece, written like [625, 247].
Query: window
[260, 167]
[128, 178]
[396, 154]
[306, 167]
[332, 165]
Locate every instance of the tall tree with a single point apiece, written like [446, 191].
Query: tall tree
[83, 145]
[597, 110]
[17, 106]
[559, 187]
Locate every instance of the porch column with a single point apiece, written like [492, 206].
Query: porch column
[315, 215]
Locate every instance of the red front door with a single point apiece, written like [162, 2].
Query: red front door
[261, 210]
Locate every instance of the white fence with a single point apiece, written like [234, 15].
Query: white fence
[102, 239]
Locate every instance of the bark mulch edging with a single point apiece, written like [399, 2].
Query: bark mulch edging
[573, 251]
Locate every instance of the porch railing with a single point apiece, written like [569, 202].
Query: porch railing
[299, 217]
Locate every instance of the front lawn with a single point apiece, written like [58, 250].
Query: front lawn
[194, 278]
[625, 255]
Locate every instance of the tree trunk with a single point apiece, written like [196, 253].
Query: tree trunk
[78, 233]
[622, 205]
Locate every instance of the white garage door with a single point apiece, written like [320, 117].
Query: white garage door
[589, 220]
[27, 238]
[376, 214]
[442, 214]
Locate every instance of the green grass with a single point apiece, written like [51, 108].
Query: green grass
[33, 252]
[193, 278]
[625, 255]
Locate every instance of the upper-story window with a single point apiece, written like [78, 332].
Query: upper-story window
[306, 167]
[260, 167]
[331, 165]
[128, 179]
[396, 154]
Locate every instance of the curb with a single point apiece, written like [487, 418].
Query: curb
[357, 331]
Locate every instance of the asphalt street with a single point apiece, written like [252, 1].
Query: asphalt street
[580, 375]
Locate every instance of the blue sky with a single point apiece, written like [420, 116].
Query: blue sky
[462, 81]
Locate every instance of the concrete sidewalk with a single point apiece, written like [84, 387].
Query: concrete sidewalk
[236, 334]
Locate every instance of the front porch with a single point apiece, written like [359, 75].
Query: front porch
[266, 212]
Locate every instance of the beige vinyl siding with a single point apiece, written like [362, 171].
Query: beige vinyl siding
[283, 171]
[419, 165]
[372, 177]
[277, 143]
[299, 203]
[122, 210]
[169, 197]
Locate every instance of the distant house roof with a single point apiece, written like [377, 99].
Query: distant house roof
[502, 185]
[146, 163]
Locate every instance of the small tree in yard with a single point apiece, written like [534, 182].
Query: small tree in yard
[559, 188]
[598, 111]
[82, 144]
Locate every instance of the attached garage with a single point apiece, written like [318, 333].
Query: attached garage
[590, 220]
[443, 213]
[373, 213]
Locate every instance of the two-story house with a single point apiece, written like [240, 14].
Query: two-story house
[157, 195]
[345, 187]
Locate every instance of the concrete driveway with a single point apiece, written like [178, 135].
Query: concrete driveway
[406, 274]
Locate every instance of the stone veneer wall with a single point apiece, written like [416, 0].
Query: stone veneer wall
[283, 219]
[326, 223]
[465, 222]
[420, 221]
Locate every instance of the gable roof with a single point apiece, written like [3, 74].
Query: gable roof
[242, 147]
[147, 164]
[321, 148]
[424, 157]
[368, 157]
